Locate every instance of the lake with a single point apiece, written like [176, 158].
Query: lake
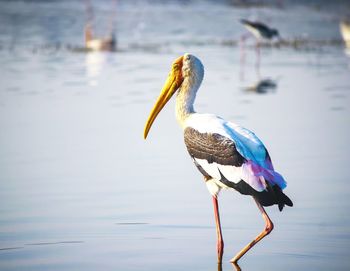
[80, 189]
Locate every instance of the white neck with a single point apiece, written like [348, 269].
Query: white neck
[185, 99]
[193, 73]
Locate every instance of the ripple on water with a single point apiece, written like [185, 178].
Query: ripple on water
[131, 223]
[54, 243]
[10, 248]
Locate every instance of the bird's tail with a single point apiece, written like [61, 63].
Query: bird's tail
[273, 195]
[281, 198]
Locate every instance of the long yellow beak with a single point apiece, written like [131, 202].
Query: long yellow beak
[172, 83]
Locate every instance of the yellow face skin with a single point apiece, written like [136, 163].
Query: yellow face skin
[172, 83]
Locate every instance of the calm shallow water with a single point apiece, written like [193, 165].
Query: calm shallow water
[81, 190]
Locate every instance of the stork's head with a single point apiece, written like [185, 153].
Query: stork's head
[186, 69]
[192, 68]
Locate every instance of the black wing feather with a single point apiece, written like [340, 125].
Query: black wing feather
[212, 147]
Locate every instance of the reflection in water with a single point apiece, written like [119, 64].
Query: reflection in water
[263, 86]
[94, 62]
[235, 266]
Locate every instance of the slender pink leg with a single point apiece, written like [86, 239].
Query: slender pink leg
[242, 57]
[220, 241]
[266, 231]
[257, 65]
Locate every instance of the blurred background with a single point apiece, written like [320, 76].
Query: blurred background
[81, 190]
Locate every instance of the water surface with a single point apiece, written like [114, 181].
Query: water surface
[81, 190]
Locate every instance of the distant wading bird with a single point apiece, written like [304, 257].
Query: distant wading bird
[345, 32]
[261, 32]
[94, 43]
[229, 156]
[99, 44]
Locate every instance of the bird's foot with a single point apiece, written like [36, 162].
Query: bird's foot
[235, 265]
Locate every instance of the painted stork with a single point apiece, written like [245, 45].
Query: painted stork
[228, 155]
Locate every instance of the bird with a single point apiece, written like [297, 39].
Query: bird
[98, 44]
[260, 31]
[229, 156]
[93, 43]
[345, 31]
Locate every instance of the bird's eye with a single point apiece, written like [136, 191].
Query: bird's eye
[188, 57]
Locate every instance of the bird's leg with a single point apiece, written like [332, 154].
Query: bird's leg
[266, 231]
[242, 56]
[257, 64]
[220, 241]
[236, 266]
